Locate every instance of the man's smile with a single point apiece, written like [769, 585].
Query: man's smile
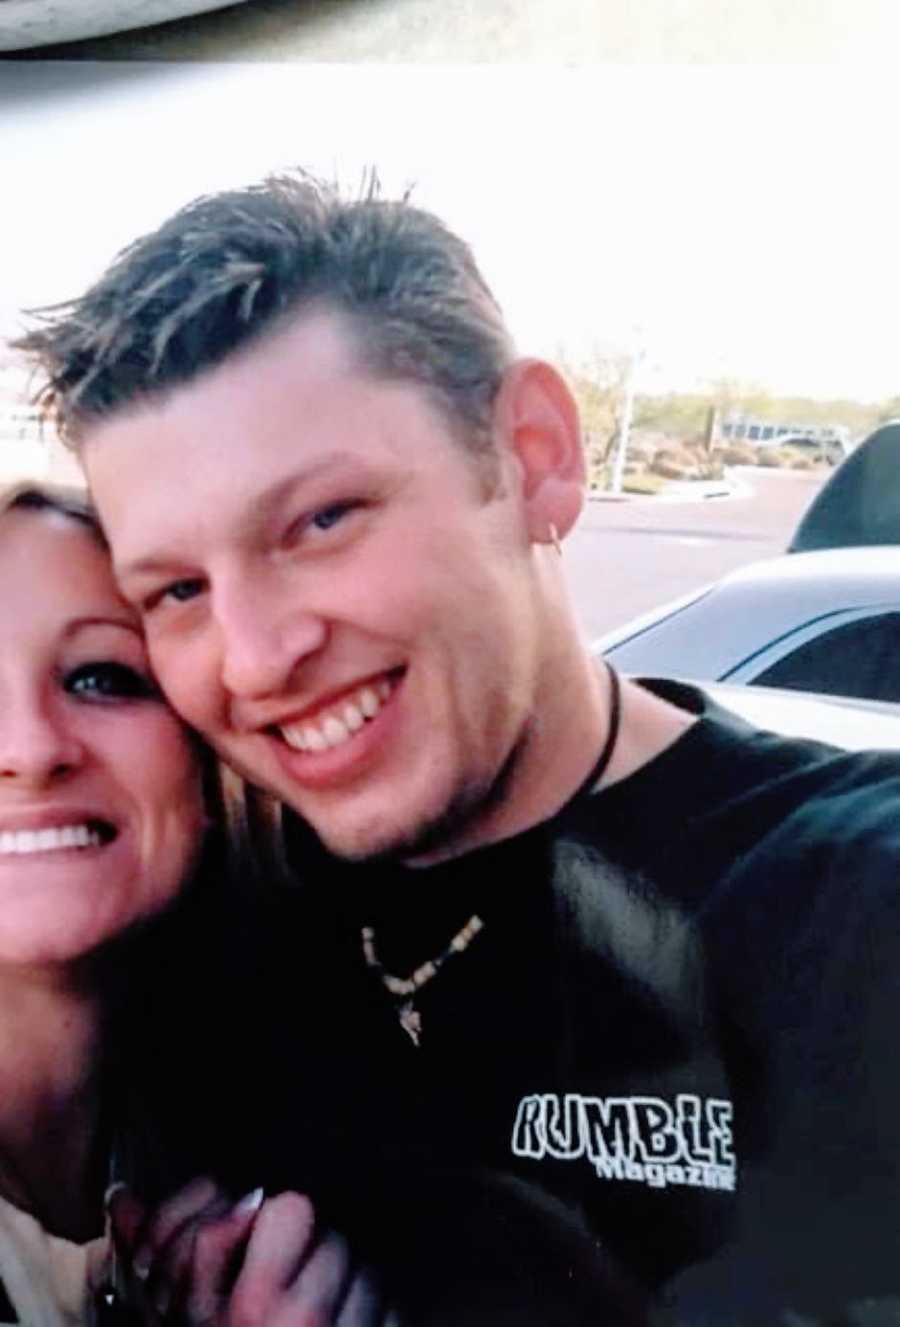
[334, 722]
[329, 741]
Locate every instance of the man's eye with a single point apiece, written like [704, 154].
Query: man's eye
[109, 681]
[181, 591]
[178, 592]
[327, 517]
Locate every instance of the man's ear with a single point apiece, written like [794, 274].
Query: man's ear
[536, 419]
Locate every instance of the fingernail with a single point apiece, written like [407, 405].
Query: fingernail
[111, 1192]
[252, 1202]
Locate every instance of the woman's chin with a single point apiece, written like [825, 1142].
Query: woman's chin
[56, 926]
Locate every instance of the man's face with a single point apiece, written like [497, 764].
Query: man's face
[327, 592]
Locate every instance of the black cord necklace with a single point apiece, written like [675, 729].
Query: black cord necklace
[601, 765]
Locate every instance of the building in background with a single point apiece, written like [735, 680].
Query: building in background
[737, 427]
[27, 451]
[830, 441]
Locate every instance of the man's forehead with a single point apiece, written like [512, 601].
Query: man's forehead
[152, 520]
[216, 454]
[227, 410]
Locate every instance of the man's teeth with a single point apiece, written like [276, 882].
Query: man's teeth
[23, 841]
[340, 723]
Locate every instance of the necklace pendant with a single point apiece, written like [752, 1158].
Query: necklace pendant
[110, 1311]
[410, 1021]
[406, 988]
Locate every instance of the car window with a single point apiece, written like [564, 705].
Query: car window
[860, 658]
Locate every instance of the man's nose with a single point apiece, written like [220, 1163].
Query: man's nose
[263, 640]
[37, 743]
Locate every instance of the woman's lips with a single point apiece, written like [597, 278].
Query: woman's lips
[56, 838]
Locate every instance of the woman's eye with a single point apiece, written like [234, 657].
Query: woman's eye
[109, 681]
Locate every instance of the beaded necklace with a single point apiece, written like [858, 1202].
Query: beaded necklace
[405, 989]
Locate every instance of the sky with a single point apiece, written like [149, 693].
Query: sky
[724, 221]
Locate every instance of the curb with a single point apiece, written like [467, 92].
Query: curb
[698, 490]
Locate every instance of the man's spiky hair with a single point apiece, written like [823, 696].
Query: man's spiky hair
[232, 266]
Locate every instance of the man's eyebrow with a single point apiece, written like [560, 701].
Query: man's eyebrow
[265, 504]
[273, 497]
[144, 566]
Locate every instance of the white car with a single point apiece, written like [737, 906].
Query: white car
[826, 621]
[831, 450]
[824, 617]
[852, 724]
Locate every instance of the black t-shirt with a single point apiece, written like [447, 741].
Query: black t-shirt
[673, 1043]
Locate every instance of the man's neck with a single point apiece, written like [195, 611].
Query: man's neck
[561, 747]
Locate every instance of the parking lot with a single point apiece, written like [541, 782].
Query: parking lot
[626, 557]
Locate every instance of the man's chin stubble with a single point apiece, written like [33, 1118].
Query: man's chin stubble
[450, 833]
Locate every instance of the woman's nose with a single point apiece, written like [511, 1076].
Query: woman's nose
[36, 746]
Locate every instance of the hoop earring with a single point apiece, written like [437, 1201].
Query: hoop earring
[554, 539]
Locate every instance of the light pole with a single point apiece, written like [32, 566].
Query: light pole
[621, 449]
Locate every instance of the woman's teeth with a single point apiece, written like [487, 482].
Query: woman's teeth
[339, 722]
[23, 841]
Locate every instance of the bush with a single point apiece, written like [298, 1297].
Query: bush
[674, 463]
[672, 470]
[643, 483]
[736, 453]
[695, 443]
[787, 458]
[800, 461]
[640, 455]
[598, 477]
[712, 468]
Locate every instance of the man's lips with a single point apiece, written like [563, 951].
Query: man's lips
[336, 722]
[341, 758]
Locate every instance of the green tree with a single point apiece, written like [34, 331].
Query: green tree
[598, 384]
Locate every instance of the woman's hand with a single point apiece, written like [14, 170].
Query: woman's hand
[203, 1261]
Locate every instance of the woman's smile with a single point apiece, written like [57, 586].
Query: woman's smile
[100, 801]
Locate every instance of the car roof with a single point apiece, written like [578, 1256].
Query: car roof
[866, 568]
[712, 631]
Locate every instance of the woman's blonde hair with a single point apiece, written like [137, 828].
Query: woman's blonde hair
[250, 820]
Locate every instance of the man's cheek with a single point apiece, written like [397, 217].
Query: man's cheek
[182, 685]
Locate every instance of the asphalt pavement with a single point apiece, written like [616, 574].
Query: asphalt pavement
[624, 558]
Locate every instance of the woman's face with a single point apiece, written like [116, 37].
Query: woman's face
[101, 808]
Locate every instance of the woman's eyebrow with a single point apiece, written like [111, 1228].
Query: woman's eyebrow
[123, 623]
